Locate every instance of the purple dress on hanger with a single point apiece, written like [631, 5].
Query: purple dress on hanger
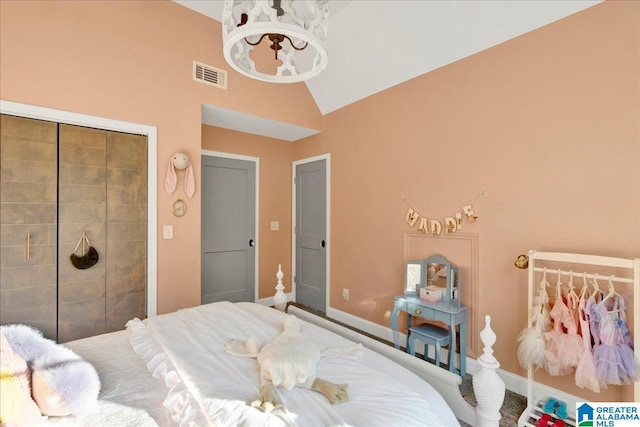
[594, 316]
[614, 358]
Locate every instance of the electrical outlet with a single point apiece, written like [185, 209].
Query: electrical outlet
[345, 294]
[168, 232]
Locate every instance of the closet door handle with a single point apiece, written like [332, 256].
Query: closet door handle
[28, 246]
[251, 242]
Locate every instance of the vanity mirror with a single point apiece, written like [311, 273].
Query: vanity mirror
[441, 273]
[413, 277]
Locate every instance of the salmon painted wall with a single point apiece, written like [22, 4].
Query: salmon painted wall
[547, 123]
[537, 121]
[132, 61]
[275, 197]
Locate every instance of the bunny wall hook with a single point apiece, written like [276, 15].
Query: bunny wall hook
[180, 161]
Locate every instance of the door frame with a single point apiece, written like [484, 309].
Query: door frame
[151, 132]
[255, 160]
[327, 158]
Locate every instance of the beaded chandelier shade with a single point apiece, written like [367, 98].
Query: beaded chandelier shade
[296, 31]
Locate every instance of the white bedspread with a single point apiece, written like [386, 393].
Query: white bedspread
[207, 386]
[129, 396]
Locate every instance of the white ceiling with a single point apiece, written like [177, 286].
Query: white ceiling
[376, 44]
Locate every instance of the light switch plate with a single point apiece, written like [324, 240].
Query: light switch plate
[275, 225]
[168, 232]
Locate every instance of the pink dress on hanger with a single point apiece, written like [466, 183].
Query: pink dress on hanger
[613, 357]
[572, 300]
[563, 350]
[586, 369]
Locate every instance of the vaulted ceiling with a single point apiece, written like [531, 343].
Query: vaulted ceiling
[376, 44]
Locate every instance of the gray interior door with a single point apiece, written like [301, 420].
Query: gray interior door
[228, 230]
[311, 231]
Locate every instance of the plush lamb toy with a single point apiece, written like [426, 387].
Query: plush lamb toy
[290, 360]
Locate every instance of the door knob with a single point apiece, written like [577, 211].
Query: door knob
[323, 244]
[250, 242]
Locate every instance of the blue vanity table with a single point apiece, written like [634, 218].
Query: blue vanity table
[450, 312]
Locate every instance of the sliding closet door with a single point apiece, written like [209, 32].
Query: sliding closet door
[57, 182]
[82, 208]
[126, 253]
[103, 192]
[28, 206]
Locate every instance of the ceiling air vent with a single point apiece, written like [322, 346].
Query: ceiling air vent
[207, 74]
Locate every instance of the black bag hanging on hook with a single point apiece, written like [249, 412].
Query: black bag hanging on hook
[87, 259]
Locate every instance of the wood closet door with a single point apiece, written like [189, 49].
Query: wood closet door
[103, 192]
[82, 207]
[28, 205]
[56, 182]
[126, 254]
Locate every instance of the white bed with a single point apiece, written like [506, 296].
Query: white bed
[183, 376]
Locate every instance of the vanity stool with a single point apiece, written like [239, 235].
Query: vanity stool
[429, 335]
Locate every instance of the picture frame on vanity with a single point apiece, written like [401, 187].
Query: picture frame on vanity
[413, 277]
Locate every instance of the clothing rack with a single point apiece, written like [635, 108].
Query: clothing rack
[632, 268]
[581, 275]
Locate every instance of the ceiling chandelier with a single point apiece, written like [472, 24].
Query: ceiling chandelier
[296, 31]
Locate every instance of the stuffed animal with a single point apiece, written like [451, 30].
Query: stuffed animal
[62, 383]
[290, 360]
[180, 161]
[17, 407]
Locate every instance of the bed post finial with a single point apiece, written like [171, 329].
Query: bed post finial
[280, 298]
[487, 385]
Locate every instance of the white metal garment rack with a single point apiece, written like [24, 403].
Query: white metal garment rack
[631, 266]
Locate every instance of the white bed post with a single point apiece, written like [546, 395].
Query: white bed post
[280, 298]
[487, 385]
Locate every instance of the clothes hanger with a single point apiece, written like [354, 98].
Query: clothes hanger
[542, 291]
[545, 283]
[596, 288]
[572, 297]
[584, 285]
[559, 284]
[612, 289]
[570, 280]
